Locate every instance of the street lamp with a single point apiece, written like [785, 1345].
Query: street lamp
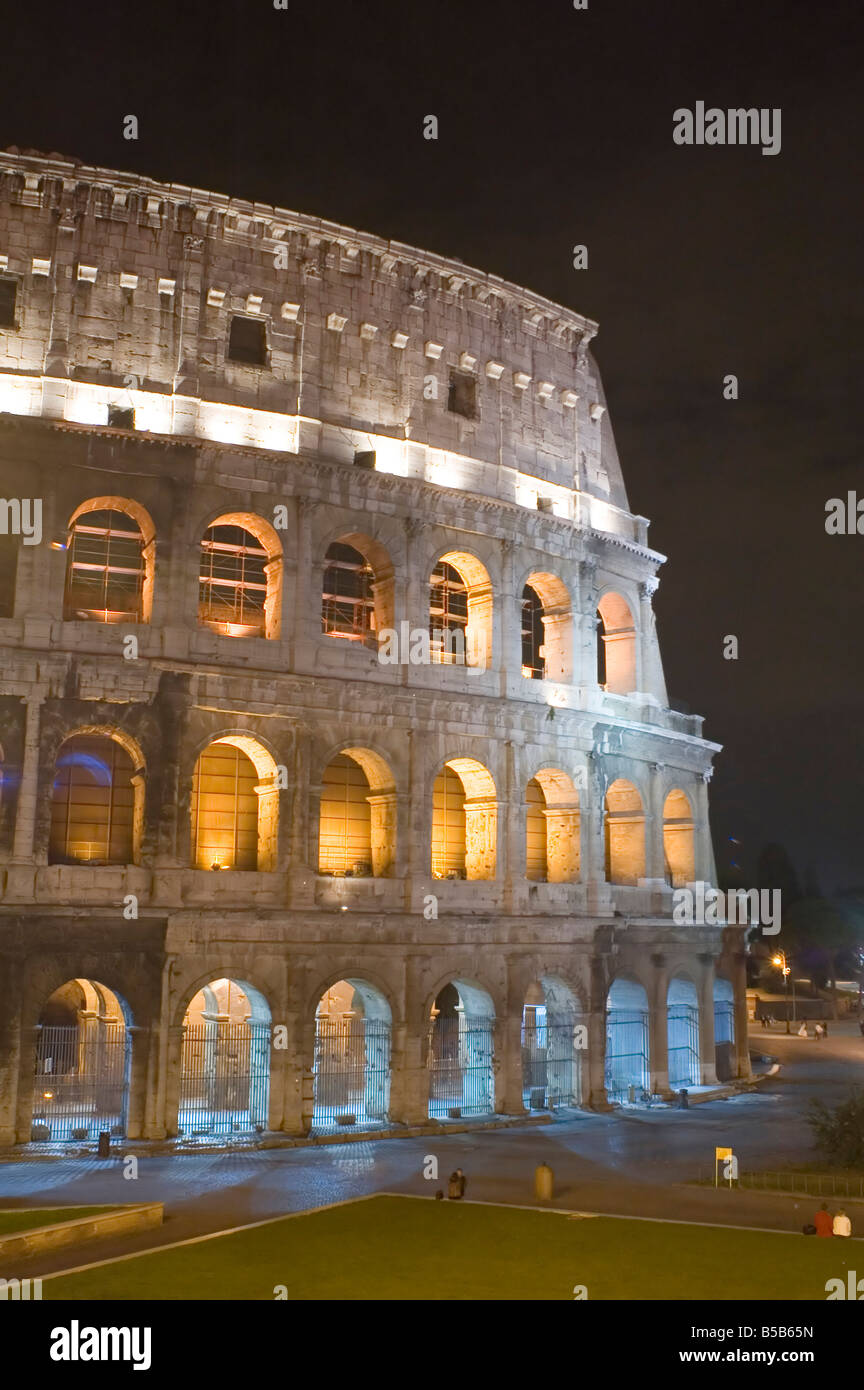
[780, 959]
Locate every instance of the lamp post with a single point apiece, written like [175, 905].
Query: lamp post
[780, 959]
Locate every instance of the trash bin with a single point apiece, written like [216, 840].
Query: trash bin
[104, 1144]
[683, 1102]
[544, 1180]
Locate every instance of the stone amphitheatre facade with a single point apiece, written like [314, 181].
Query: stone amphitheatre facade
[340, 784]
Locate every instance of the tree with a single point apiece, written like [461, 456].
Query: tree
[839, 1131]
[824, 934]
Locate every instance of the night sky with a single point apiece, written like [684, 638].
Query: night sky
[555, 128]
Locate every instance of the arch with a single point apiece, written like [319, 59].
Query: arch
[234, 809]
[552, 828]
[460, 611]
[97, 799]
[682, 1015]
[554, 1040]
[464, 821]
[358, 590]
[678, 839]
[110, 564]
[460, 1052]
[357, 816]
[240, 577]
[628, 1075]
[616, 645]
[724, 1029]
[83, 1064]
[351, 1069]
[225, 1060]
[547, 628]
[624, 834]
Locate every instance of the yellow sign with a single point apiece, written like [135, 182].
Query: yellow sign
[722, 1153]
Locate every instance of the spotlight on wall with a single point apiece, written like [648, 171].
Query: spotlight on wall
[58, 545]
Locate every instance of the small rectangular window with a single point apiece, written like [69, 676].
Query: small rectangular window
[8, 294]
[364, 458]
[462, 396]
[248, 341]
[121, 417]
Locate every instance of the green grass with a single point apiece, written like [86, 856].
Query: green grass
[11, 1221]
[402, 1248]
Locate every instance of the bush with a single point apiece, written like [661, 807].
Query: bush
[839, 1130]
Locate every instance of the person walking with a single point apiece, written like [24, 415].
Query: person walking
[802, 1031]
[456, 1185]
[825, 1026]
[842, 1224]
[824, 1221]
[819, 1031]
[861, 1026]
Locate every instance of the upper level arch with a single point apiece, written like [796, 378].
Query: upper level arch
[616, 645]
[234, 809]
[357, 589]
[110, 561]
[97, 799]
[460, 610]
[464, 821]
[240, 576]
[547, 628]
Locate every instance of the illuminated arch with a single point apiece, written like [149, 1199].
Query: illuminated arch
[235, 805]
[83, 1064]
[678, 839]
[97, 798]
[552, 828]
[110, 562]
[554, 1039]
[616, 645]
[682, 1021]
[547, 628]
[624, 834]
[724, 1029]
[464, 821]
[225, 1060]
[351, 1069]
[628, 1074]
[357, 816]
[460, 602]
[357, 589]
[460, 1053]
[240, 583]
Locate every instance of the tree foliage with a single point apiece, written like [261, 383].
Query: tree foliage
[839, 1130]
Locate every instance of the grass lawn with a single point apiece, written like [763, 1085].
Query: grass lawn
[404, 1248]
[43, 1216]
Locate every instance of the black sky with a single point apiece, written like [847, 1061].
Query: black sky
[556, 129]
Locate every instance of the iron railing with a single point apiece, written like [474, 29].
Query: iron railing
[551, 1073]
[351, 1072]
[684, 1064]
[626, 1054]
[224, 1078]
[81, 1085]
[460, 1055]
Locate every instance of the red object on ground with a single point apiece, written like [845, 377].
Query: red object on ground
[824, 1223]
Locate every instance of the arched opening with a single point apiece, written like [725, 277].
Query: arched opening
[682, 1013]
[724, 1029]
[547, 629]
[96, 801]
[461, 1052]
[352, 1057]
[110, 562]
[554, 1039]
[628, 1076]
[464, 821]
[624, 834]
[552, 828]
[678, 840]
[235, 806]
[460, 612]
[616, 645]
[240, 581]
[357, 824]
[83, 1062]
[225, 1061]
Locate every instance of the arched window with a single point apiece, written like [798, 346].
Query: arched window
[616, 635]
[678, 843]
[233, 582]
[625, 834]
[533, 652]
[344, 844]
[92, 803]
[225, 1061]
[83, 1063]
[448, 826]
[225, 809]
[348, 603]
[552, 828]
[448, 615]
[351, 1070]
[464, 821]
[105, 568]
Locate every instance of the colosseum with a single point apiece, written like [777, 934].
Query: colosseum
[340, 784]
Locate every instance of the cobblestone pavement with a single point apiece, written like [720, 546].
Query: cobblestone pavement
[633, 1162]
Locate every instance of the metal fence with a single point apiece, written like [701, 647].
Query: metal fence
[724, 1039]
[461, 1081]
[811, 1184]
[351, 1071]
[224, 1078]
[551, 1072]
[626, 1054]
[81, 1086]
[683, 1034]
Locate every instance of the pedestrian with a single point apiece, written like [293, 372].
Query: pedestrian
[439, 1196]
[842, 1224]
[802, 1031]
[819, 1031]
[824, 1221]
[825, 1027]
[861, 1026]
[456, 1185]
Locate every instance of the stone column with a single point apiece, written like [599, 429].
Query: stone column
[707, 1055]
[268, 824]
[20, 883]
[508, 1062]
[558, 632]
[383, 833]
[562, 844]
[658, 1028]
[593, 848]
[703, 851]
[481, 837]
[189, 307]
[479, 635]
[649, 675]
[509, 659]
[655, 858]
[11, 1053]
